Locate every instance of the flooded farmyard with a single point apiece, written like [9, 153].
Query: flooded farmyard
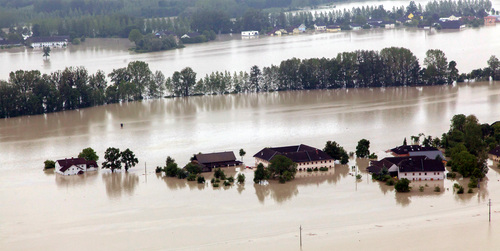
[43, 210]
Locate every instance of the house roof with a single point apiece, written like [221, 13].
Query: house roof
[204, 158]
[297, 153]
[495, 151]
[49, 39]
[377, 166]
[455, 24]
[67, 163]
[421, 165]
[411, 148]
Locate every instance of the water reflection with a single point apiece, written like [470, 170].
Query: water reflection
[404, 199]
[283, 192]
[120, 183]
[65, 181]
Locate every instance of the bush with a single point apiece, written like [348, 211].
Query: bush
[390, 182]
[227, 183]
[201, 179]
[49, 164]
[217, 181]
[230, 179]
[323, 168]
[470, 190]
[181, 174]
[212, 180]
[158, 169]
[472, 182]
[171, 169]
[437, 189]
[358, 177]
[193, 168]
[282, 179]
[460, 190]
[373, 156]
[191, 177]
[316, 169]
[215, 184]
[309, 170]
[76, 41]
[451, 175]
[241, 178]
[218, 172]
[403, 185]
[456, 185]
[421, 188]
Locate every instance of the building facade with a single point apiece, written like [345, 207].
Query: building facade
[74, 166]
[305, 156]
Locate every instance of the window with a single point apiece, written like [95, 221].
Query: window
[419, 173]
[425, 173]
[405, 174]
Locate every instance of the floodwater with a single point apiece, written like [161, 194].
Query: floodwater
[101, 210]
[470, 48]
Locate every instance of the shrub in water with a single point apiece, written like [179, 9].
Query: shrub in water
[316, 169]
[191, 177]
[241, 178]
[158, 169]
[390, 182]
[230, 179]
[217, 180]
[227, 183]
[212, 180]
[470, 190]
[215, 184]
[437, 189]
[460, 190]
[421, 188]
[282, 179]
[201, 179]
[358, 177]
[323, 168]
[309, 170]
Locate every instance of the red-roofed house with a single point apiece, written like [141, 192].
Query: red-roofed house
[75, 166]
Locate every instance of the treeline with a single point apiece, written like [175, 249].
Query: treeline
[30, 92]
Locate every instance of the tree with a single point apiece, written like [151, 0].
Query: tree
[242, 153]
[337, 152]
[494, 65]
[193, 168]
[171, 169]
[112, 157]
[128, 158]
[88, 154]
[241, 178]
[464, 163]
[404, 142]
[134, 36]
[363, 148]
[46, 51]
[437, 66]
[49, 164]
[282, 167]
[403, 185]
[260, 174]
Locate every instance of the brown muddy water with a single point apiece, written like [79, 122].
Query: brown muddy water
[130, 211]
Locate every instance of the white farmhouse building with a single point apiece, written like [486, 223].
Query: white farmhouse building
[249, 33]
[75, 166]
[56, 41]
[305, 156]
[410, 167]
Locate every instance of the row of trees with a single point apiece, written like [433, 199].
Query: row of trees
[30, 92]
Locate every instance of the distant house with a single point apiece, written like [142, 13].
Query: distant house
[332, 28]
[388, 25]
[74, 166]
[416, 150]
[191, 35]
[319, 27]
[208, 161]
[390, 163]
[162, 34]
[494, 154]
[302, 28]
[355, 27]
[411, 168]
[490, 20]
[4, 42]
[249, 33]
[55, 41]
[457, 24]
[305, 156]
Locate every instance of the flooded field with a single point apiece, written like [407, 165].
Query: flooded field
[41, 210]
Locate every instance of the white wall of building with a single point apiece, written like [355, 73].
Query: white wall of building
[304, 165]
[413, 176]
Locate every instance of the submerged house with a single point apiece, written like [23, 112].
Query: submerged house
[209, 161]
[74, 166]
[55, 41]
[417, 150]
[305, 156]
[494, 154]
[412, 168]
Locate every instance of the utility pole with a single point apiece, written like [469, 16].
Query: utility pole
[145, 172]
[300, 229]
[489, 205]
